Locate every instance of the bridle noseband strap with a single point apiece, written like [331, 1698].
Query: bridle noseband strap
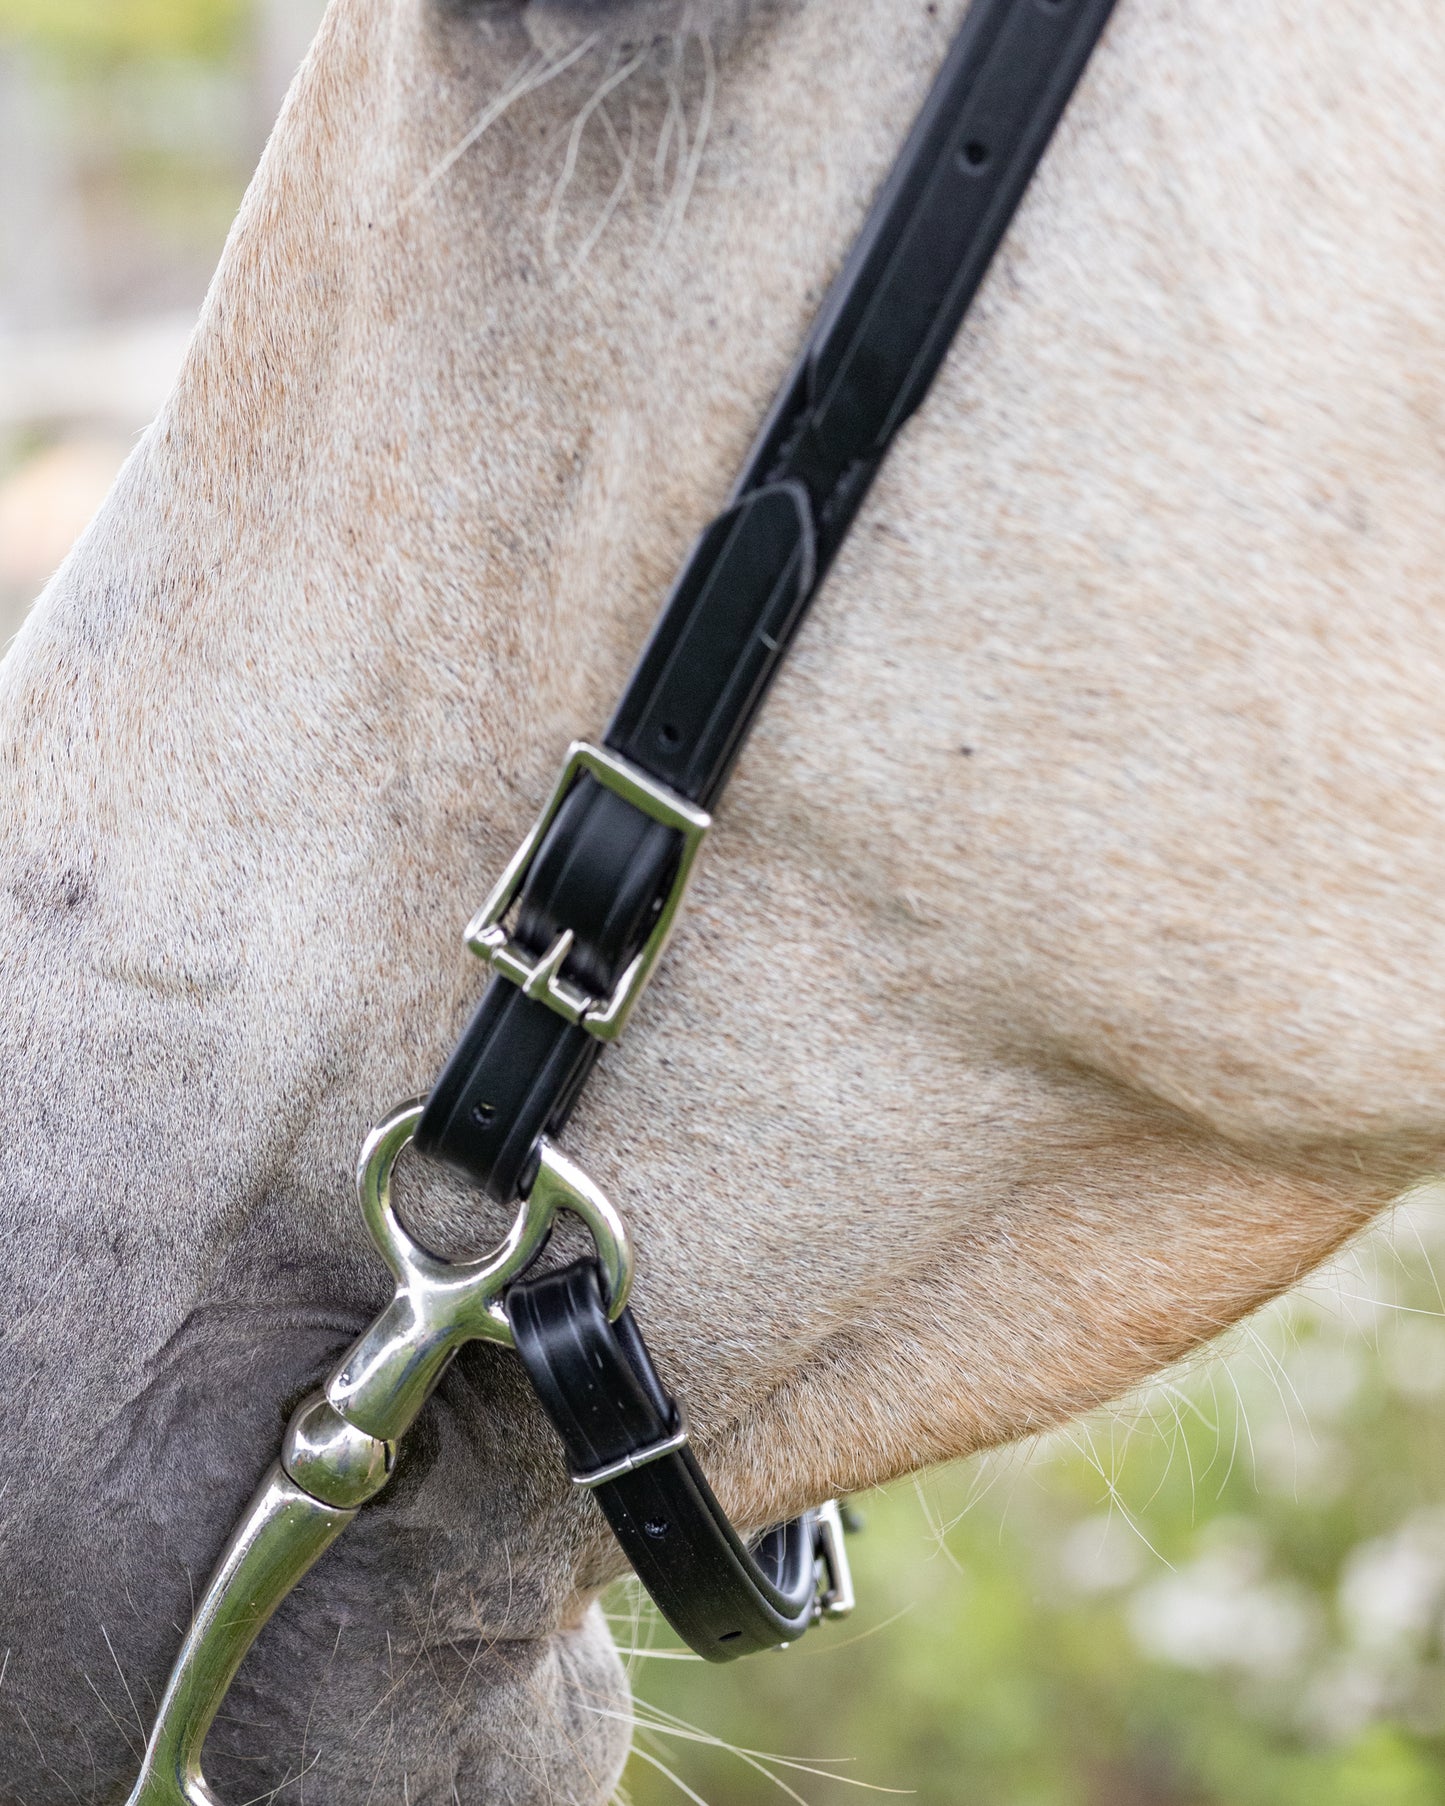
[867, 363]
[626, 1441]
[575, 937]
[603, 866]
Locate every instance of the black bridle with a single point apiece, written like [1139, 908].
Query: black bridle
[594, 898]
[575, 926]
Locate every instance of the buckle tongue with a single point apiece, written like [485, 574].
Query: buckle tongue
[541, 978]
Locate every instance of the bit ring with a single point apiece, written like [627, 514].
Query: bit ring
[559, 1185]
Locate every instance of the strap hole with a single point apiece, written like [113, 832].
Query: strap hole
[975, 154]
[669, 735]
[657, 1528]
[484, 1115]
[730, 1636]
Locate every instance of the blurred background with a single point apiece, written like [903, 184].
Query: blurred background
[1229, 1592]
[128, 129]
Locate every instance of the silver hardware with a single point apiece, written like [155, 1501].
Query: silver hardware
[542, 979]
[439, 1304]
[836, 1597]
[332, 1459]
[340, 1446]
[629, 1464]
[282, 1533]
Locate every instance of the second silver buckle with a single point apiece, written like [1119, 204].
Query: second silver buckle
[541, 978]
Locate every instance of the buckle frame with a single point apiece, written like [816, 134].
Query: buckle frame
[541, 978]
[676, 1438]
[836, 1596]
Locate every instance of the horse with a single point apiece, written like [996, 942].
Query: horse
[1065, 975]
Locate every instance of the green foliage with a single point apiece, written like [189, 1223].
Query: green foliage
[1234, 1596]
[91, 31]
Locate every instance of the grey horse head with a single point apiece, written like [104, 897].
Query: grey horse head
[1066, 976]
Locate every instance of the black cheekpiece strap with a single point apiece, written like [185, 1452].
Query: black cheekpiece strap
[603, 873]
[625, 1440]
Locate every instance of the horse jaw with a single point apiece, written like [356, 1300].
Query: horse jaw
[1052, 995]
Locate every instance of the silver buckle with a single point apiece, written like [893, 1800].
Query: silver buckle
[541, 979]
[629, 1464]
[836, 1597]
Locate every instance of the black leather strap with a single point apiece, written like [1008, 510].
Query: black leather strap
[604, 867]
[867, 364]
[597, 1383]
